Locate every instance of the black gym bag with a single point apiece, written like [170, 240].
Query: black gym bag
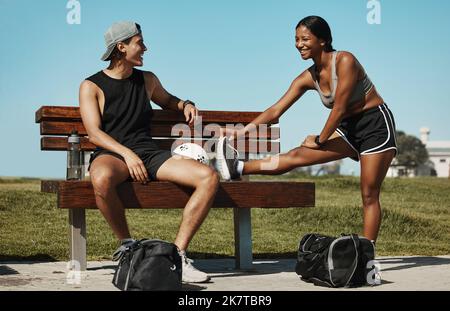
[148, 265]
[334, 262]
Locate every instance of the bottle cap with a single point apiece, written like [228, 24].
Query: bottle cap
[74, 138]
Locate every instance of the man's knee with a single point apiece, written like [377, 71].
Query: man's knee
[208, 177]
[102, 182]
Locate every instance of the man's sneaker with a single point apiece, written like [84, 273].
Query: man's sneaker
[189, 273]
[227, 160]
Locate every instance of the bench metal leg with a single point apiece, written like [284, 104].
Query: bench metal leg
[243, 238]
[77, 231]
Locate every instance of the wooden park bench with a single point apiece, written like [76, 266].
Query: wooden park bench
[56, 124]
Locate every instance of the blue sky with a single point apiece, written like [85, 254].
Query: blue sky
[223, 55]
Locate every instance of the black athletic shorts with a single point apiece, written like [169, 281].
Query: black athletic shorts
[369, 132]
[152, 156]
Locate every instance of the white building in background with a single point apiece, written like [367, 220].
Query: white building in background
[439, 159]
[439, 153]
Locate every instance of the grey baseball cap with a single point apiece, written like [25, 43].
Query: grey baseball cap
[119, 31]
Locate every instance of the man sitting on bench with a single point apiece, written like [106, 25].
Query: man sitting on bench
[116, 112]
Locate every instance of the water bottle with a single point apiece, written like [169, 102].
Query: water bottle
[73, 157]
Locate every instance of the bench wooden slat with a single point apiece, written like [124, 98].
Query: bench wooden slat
[57, 113]
[157, 130]
[53, 143]
[239, 194]
[54, 113]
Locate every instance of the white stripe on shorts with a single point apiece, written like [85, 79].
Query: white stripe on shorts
[346, 140]
[389, 134]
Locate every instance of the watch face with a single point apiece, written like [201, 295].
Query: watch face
[317, 141]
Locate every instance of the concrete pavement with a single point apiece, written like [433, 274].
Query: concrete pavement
[413, 273]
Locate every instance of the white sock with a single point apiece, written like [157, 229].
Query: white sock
[240, 167]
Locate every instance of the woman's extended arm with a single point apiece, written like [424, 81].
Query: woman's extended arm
[297, 88]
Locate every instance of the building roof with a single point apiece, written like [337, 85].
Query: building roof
[438, 147]
[438, 144]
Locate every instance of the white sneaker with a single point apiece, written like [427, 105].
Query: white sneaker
[189, 273]
[227, 160]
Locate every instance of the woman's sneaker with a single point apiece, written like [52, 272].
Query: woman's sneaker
[227, 160]
[190, 274]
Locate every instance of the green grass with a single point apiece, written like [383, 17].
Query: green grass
[416, 221]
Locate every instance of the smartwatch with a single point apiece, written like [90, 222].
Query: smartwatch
[187, 102]
[317, 141]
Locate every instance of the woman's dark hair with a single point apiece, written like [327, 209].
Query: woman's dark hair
[320, 28]
[116, 54]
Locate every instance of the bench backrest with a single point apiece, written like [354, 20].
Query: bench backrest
[168, 127]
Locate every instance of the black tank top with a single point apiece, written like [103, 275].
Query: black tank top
[127, 111]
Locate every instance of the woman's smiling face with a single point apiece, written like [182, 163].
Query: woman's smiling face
[307, 43]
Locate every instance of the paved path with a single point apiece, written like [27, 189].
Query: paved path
[414, 273]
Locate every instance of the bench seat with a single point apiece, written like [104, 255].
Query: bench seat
[236, 194]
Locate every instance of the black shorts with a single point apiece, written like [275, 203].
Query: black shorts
[150, 154]
[369, 132]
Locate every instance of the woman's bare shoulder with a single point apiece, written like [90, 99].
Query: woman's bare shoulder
[347, 61]
[345, 56]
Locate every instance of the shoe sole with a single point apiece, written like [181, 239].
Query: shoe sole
[223, 167]
[203, 281]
